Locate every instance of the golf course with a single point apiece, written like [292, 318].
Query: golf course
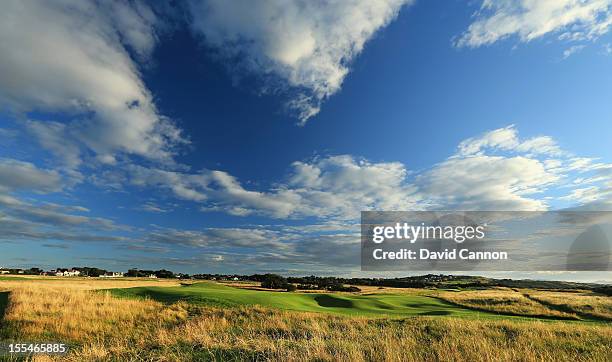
[220, 295]
[171, 320]
[395, 304]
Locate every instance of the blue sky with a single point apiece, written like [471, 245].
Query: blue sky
[214, 137]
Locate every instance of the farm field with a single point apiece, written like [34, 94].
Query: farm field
[162, 320]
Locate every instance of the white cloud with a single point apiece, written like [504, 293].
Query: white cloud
[184, 186]
[219, 237]
[531, 19]
[572, 50]
[25, 220]
[73, 58]
[308, 45]
[16, 229]
[52, 137]
[342, 186]
[507, 139]
[335, 186]
[540, 145]
[502, 138]
[43, 220]
[544, 166]
[497, 170]
[52, 215]
[487, 183]
[587, 194]
[152, 207]
[17, 176]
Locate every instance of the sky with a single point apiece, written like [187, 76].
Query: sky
[217, 136]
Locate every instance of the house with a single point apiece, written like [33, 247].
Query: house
[72, 273]
[67, 273]
[235, 279]
[153, 276]
[112, 275]
[4, 272]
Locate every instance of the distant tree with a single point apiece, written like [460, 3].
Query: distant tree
[273, 281]
[164, 274]
[342, 288]
[33, 271]
[132, 273]
[291, 287]
[90, 272]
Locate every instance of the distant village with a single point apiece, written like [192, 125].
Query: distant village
[306, 282]
[62, 272]
[102, 273]
[320, 282]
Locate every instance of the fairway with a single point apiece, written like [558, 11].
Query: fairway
[387, 305]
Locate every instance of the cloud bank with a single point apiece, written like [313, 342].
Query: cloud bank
[497, 170]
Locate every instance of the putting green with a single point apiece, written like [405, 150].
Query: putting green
[387, 305]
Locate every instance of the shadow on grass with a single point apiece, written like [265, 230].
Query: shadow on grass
[435, 312]
[168, 297]
[330, 301]
[228, 354]
[139, 292]
[4, 297]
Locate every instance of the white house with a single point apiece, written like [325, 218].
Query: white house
[68, 273]
[112, 275]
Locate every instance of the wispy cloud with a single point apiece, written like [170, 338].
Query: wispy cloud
[572, 50]
[19, 176]
[572, 20]
[306, 46]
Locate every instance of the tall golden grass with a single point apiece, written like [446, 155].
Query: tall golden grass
[583, 303]
[74, 314]
[101, 327]
[503, 300]
[8, 282]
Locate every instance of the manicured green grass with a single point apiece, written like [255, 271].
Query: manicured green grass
[12, 278]
[387, 305]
